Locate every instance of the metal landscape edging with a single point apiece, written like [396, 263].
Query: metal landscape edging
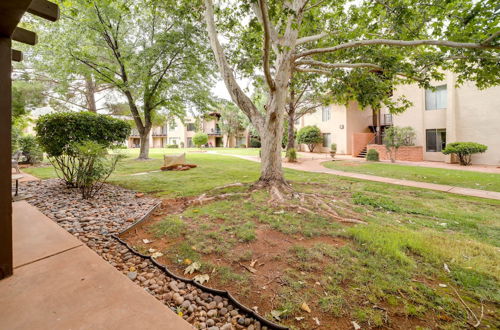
[223, 293]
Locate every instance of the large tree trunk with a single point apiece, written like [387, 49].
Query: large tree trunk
[144, 151]
[90, 94]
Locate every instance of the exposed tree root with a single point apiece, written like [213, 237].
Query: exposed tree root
[283, 195]
[237, 184]
[202, 199]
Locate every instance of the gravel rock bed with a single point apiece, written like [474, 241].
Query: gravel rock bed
[114, 209]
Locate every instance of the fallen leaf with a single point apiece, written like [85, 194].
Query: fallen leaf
[151, 250]
[192, 268]
[132, 269]
[146, 241]
[157, 255]
[276, 314]
[443, 285]
[201, 278]
[446, 268]
[305, 307]
[299, 318]
[316, 320]
[355, 325]
[252, 263]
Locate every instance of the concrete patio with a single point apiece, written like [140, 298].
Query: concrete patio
[60, 283]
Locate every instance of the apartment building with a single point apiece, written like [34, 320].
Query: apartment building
[181, 133]
[446, 114]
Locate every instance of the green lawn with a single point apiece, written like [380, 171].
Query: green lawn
[459, 178]
[395, 262]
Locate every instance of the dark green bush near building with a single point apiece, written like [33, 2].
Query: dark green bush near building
[200, 139]
[464, 150]
[372, 155]
[254, 143]
[172, 146]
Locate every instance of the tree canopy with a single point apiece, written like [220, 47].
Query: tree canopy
[361, 49]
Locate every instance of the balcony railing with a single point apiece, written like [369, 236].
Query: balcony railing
[160, 133]
[215, 132]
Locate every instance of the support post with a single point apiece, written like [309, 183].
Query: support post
[6, 264]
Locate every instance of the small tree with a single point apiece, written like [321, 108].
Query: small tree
[396, 137]
[464, 150]
[200, 139]
[28, 144]
[59, 135]
[310, 135]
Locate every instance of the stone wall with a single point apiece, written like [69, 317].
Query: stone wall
[410, 153]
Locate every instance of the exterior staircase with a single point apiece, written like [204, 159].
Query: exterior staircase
[362, 153]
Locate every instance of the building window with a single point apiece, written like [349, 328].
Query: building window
[191, 127]
[436, 99]
[325, 114]
[388, 119]
[327, 140]
[173, 140]
[189, 142]
[173, 125]
[435, 139]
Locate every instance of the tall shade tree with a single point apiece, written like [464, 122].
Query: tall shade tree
[321, 37]
[153, 52]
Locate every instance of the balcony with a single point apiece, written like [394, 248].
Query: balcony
[215, 132]
[160, 133]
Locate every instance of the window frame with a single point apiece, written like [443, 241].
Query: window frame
[439, 142]
[437, 98]
[326, 113]
[328, 140]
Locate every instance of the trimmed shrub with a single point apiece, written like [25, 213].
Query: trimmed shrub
[182, 144]
[200, 139]
[310, 135]
[243, 145]
[57, 131]
[333, 147]
[291, 155]
[372, 155]
[32, 151]
[61, 134]
[172, 146]
[464, 150]
[94, 167]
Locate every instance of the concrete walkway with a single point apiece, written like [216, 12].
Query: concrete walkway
[60, 283]
[313, 164]
[442, 165]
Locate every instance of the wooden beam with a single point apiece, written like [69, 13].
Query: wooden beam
[25, 36]
[5, 158]
[44, 9]
[17, 55]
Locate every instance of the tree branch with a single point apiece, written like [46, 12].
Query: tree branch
[267, 45]
[315, 37]
[237, 94]
[339, 65]
[398, 43]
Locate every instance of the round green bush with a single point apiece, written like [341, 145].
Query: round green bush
[372, 155]
[310, 135]
[57, 132]
[200, 139]
[464, 150]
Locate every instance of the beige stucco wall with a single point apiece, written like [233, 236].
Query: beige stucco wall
[478, 120]
[471, 115]
[338, 117]
[357, 121]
